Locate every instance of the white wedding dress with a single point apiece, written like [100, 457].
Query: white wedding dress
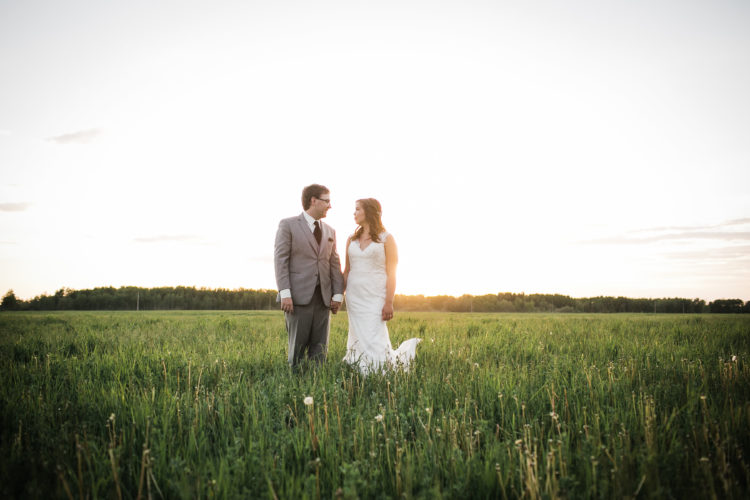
[368, 345]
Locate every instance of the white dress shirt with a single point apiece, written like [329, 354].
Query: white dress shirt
[286, 293]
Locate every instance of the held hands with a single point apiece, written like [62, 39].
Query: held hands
[335, 306]
[287, 305]
[387, 313]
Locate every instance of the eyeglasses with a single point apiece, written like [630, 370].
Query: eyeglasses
[328, 201]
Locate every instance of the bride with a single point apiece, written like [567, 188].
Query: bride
[370, 277]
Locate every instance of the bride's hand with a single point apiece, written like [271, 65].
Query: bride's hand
[387, 313]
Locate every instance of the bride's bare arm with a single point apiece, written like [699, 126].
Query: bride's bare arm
[391, 261]
[346, 266]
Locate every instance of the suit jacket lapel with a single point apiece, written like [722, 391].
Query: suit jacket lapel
[323, 238]
[308, 234]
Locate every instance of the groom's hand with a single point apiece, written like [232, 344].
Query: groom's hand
[287, 305]
[335, 306]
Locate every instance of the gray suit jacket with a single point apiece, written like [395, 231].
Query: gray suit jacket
[299, 262]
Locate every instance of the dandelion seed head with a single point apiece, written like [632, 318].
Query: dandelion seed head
[378, 418]
[308, 401]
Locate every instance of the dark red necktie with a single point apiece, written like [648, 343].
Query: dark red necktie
[317, 232]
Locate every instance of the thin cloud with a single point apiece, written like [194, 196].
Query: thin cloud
[716, 236]
[79, 137]
[14, 207]
[717, 232]
[169, 238]
[729, 253]
[734, 222]
[737, 221]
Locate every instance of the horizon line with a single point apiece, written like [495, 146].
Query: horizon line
[456, 296]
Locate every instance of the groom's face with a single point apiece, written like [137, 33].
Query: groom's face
[322, 204]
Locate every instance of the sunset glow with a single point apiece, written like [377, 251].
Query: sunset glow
[577, 148]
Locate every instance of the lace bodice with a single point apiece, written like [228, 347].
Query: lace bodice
[369, 260]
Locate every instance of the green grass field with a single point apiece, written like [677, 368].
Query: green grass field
[202, 404]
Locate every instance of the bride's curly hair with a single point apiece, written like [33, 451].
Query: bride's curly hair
[372, 209]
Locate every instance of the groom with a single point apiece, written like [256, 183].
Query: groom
[308, 275]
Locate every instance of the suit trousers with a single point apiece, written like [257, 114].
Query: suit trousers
[308, 328]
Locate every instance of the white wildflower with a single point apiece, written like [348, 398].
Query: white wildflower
[308, 401]
[734, 358]
[378, 418]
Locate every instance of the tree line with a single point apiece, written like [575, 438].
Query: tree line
[130, 298]
[183, 297]
[521, 302]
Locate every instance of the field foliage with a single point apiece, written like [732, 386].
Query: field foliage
[202, 404]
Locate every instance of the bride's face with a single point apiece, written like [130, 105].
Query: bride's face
[359, 214]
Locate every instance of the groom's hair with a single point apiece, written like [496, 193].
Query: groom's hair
[310, 192]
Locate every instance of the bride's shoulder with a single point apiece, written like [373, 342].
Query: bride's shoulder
[385, 236]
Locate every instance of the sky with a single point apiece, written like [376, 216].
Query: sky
[581, 147]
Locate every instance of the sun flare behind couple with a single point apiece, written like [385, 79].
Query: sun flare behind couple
[311, 284]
